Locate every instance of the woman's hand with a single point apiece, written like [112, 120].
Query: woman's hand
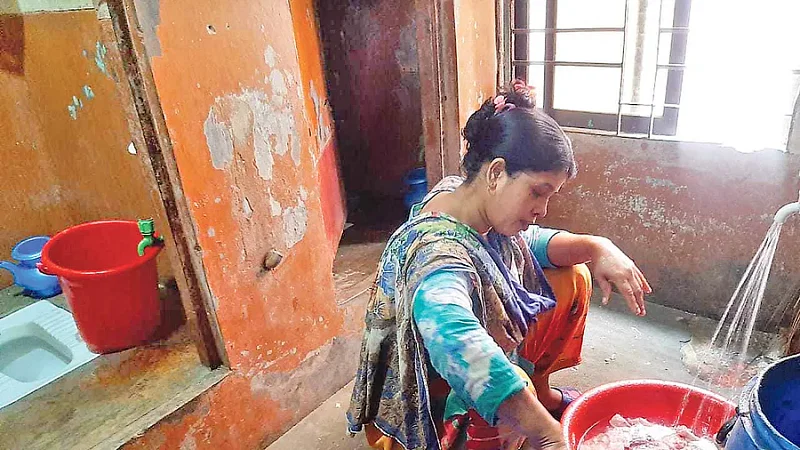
[610, 266]
[524, 413]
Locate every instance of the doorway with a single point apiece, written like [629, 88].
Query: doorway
[373, 76]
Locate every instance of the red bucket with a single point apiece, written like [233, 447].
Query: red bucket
[112, 291]
[660, 402]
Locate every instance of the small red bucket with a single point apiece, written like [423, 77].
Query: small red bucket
[660, 402]
[112, 291]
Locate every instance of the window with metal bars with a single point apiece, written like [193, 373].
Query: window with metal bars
[663, 68]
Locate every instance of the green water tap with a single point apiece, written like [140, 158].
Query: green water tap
[148, 229]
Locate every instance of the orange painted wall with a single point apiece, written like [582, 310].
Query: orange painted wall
[309, 53]
[476, 54]
[57, 170]
[241, 89]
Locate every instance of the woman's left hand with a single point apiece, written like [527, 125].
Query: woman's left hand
[610, 266]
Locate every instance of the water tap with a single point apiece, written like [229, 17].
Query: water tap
[147, 228]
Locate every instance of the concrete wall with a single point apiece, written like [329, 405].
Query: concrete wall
[64, 137]
[690, 215]
[374, 84]
[242, 92]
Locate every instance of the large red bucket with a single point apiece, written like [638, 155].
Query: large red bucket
[112, 291]
[660, 402]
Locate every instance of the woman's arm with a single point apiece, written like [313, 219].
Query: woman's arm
[609, 265]
[474, 366]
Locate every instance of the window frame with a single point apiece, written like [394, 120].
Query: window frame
[619, 124]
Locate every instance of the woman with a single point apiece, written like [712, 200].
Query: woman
[464, 327]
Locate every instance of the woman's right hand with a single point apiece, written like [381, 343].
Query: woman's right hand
[611, 266]
[526, 415]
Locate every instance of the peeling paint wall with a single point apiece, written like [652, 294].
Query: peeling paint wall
[66, 149]
[373, 79]
[253, 138]
[690, 215]
[318, 113]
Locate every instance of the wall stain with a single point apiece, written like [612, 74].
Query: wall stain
[87, 92]
[218, 140]
[74, 106]
[100, 52]
[77, 102]
[323, 130]
[262, 121]
[149, 15]
[663, 207]
[660, 182]
[254, 115]
[295, 222]
[270, 57]
[247, 207]
[274, 206]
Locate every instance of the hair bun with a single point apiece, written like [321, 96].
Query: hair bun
[520, 94]
[477, 123]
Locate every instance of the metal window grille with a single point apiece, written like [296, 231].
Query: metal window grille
[663, 105]
[663, 112]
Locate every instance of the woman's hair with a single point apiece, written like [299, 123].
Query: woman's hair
[510, 127]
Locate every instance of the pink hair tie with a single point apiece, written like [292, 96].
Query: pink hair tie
[520, 87]
[500, 104]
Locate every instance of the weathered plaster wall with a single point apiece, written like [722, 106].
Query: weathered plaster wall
[318, 113]
[373, 79]
[64, 138]
[690, 215]
[476, 54]
[242, 93]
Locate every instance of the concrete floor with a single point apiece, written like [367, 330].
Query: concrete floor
[617, 346]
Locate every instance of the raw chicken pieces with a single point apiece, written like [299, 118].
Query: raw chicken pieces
[640, 434]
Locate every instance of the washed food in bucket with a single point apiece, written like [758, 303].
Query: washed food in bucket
[641, 434]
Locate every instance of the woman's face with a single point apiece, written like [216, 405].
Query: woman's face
[516, 202]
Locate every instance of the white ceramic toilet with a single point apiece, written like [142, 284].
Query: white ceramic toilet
[38, 344]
